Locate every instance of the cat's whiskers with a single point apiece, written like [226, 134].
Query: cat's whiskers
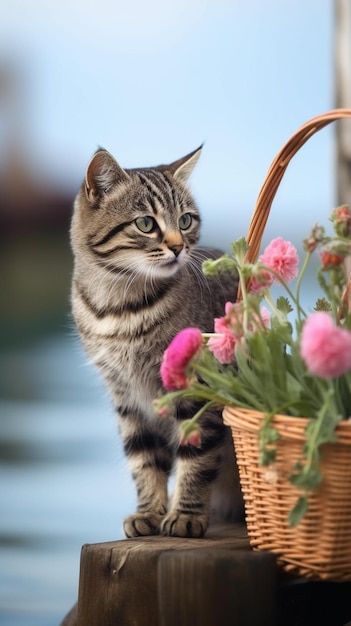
[129, 282]
[197, 272]
[150, 286]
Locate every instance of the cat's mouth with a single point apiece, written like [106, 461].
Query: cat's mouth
[168, 266]
[173, 261]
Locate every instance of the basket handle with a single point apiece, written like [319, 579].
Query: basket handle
[275, 174]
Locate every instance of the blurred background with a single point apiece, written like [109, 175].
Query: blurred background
[149, 81]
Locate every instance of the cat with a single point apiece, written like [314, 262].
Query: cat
[137, 281]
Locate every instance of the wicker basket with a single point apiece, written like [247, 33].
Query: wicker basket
[320, 546]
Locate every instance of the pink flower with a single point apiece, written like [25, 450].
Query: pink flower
[281, 256]
[222, 345]
[177, 357]
[221, 324]
[325, 348]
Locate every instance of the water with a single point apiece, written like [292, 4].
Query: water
[63, 478]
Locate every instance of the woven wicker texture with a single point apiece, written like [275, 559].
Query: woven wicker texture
[320, 546]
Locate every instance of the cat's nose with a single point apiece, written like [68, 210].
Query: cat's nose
[176, 248]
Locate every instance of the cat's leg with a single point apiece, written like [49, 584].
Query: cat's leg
[150, 456]
[197, 468]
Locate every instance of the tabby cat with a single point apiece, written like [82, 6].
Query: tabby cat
[137, 281]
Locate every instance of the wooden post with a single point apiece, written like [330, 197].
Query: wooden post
[128, 583]
[342, 60]
[343, 99]
[217, 588]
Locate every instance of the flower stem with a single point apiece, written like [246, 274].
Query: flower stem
[189, 424]
[298, 285]
[315, 434]
[244, 299]
[300, 310]
[270, 301]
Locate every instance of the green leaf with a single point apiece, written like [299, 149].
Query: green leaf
[322, 281]
[322, 304]
[322, 429]
[267, 456]
[298, 511]
[240, 248]
[307, 478]
[284, 305]
[267, 437]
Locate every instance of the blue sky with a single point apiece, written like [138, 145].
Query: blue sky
[151, 81]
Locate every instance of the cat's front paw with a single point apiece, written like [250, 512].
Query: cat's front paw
[184, 525]
[142, 524]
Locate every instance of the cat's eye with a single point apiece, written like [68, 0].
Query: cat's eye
[185, 221]
[146, 224]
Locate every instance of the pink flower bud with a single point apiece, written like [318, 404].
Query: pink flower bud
[193, 439]
[162, 410]
[331, 259]
[315, 237]
[341, 217]
[261, 280]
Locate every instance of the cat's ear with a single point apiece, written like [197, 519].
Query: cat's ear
[103, 174]
[182, 168]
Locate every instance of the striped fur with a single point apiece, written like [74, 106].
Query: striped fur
[137, 281]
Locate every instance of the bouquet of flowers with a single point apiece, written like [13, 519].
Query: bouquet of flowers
[273, 356]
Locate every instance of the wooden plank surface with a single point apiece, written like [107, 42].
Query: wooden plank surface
[217, 588]
[119, 580]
